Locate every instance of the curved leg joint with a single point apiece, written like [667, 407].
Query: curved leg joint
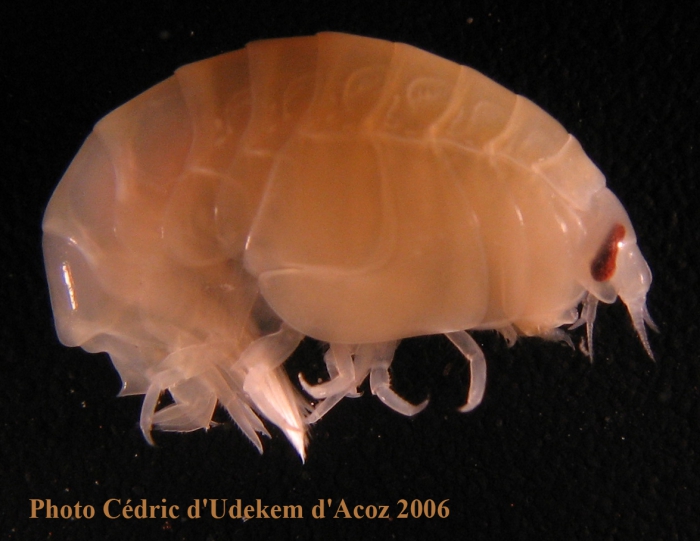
[341, 369]
[380, 383]
[477, 364]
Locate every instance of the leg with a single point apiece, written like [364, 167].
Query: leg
[509, 334]
[588, 310]
[340, 368]
[196, 377]
[369, 359]
[477, 364]
[557, 335]
[269, 388]
[379, 357]
[345, 378]
[159, 383]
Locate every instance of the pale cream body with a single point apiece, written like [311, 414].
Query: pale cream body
[357, 190]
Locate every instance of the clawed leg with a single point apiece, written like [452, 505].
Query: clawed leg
[345, 378]
[348, 368]
[477, 364]
[341, 370]
[379, 356]
[194, 399]
[159, 383]
[192, 409]
[196, 377]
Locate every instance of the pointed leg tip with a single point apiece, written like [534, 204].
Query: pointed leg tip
[298, 440]
[473, 400]
[411, 410]
[420, 407]
[392, 400]
[647, 348]
[147, 435]
[466, 408]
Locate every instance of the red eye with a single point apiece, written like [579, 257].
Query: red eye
[603, 266]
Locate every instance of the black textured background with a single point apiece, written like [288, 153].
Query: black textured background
[560, 448]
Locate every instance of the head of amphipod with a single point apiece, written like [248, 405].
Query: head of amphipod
[615, 266]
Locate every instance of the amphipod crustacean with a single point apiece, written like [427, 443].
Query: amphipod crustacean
[349, 189]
